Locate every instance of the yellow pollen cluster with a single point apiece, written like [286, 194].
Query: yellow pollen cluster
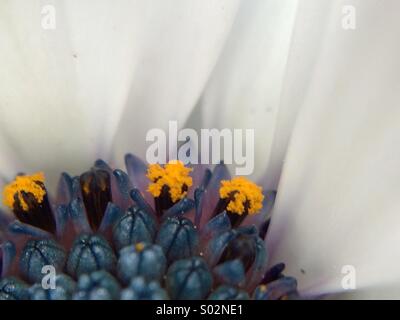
[241, 191]
[174, 175]
[27, 184]
[139, 247]
[263, 288]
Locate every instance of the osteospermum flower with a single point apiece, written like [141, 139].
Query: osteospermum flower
[317, 80]
[105, 241]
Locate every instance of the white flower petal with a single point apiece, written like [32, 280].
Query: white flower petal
[305, 43]
[338, 198]
[244, 90]
[387, 292]
[130, 65]
[181, 43]
[41, 122]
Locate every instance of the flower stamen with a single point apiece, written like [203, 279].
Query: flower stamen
[15, 191]
[27, 197]
[139, 247]
[239, 197]
[96, 192]
[169, 183]
[174, 175]
[245, 197]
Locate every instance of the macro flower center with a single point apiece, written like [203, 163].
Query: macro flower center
[106, 240]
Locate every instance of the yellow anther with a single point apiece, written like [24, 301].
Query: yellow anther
[86, 187]
[174, 175]
[139, 246]
[28, 184]
[263, 288]
[243, 195]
